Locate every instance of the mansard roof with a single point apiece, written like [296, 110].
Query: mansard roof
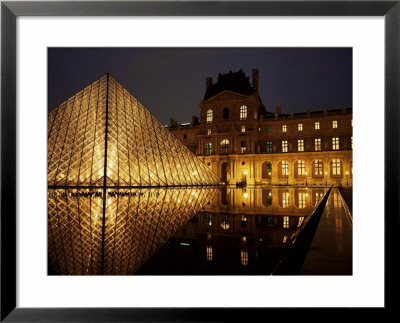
[232, 81]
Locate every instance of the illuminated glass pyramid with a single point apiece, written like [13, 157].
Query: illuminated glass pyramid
[103, 130]
[115, 231]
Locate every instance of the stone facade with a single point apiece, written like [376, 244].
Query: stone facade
[240, 141]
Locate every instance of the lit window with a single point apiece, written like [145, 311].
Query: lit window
[351, 142]
[269, 146]
[269, 168]
[316, 125]
[208, 132]
[285, 222]
[284, 146]
[284, 128]
[243, 112]
[243, 128]
[334, 124]
[335, 143]
[244, 257]
[224, 146]
[300, 145]
[209, 253]
[318, 167]
[317, 144]
[209, 116]
[269, 129]
[300, 127]
[285, 203]
[336, 166]
[243, 147]
[301, 219]
[209, 148]
[301, 167]
[351, 122]
[285, 168]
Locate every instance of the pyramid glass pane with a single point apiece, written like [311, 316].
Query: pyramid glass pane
[114, 232]
[102, 136]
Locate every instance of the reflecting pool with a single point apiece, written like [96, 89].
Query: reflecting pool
[174, 231]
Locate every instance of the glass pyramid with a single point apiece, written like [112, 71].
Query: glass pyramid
[93, 231]
[103, 137]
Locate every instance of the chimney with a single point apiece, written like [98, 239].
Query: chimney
[208, 82]
[278, 109]
[195, 120]
[255, 80]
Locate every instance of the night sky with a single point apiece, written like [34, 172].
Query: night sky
[170, 82]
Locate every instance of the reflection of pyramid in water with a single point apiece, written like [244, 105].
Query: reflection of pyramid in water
[115, 231]
[104, 129]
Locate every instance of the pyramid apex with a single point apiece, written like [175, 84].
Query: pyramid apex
[95, 119]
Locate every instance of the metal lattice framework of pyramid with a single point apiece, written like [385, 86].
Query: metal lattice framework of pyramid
[103, 130]
[91, 232]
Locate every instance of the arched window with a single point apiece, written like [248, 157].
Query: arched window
[209, 148]
[285, 168]
[318, 167]
[336, 167]
[225, 114]
[209, 116]
[224, 146]
[266, 170]
[243, 112]
[301, 167]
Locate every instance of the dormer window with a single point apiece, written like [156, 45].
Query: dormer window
[209, 116]
[243, 112]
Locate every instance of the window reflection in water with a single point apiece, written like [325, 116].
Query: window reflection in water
[225, 221]
[302, 200]
[209, 253]
[285, 222]
[285, 199]
[144, 226]
[84, 238]
[336, 200]
[244, 257]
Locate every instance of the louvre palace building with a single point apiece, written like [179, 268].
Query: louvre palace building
[241, 141]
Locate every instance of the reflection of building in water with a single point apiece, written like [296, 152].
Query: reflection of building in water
[135, 224]
[249, 226]
[239, 140]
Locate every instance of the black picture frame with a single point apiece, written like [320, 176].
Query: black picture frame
[10, 10]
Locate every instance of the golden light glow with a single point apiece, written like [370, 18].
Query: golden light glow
[245, 172]
[102, 130]
[85, 239]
